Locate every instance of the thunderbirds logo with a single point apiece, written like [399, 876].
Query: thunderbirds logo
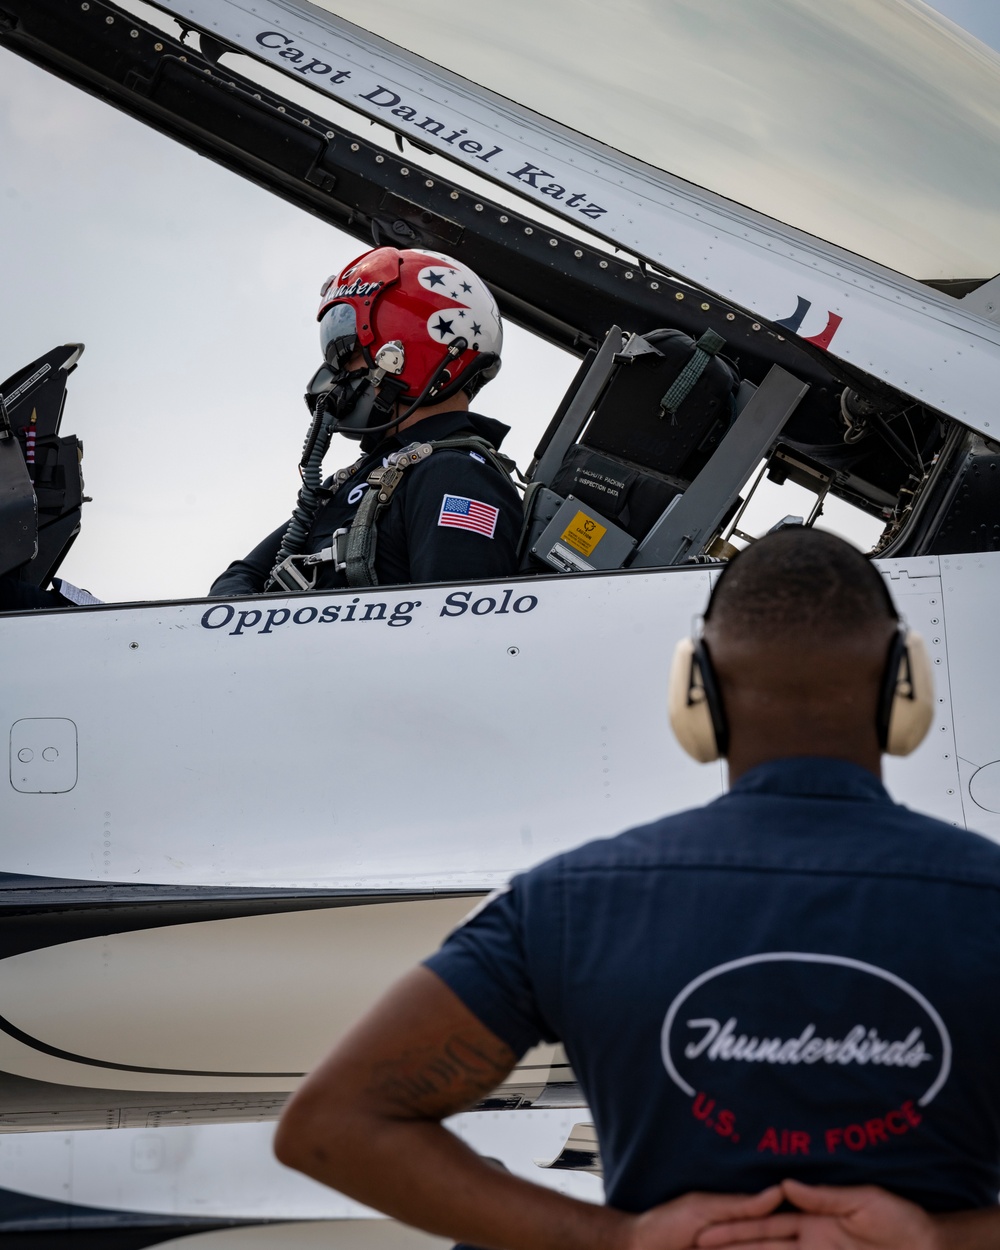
[728, 1043]
[794, 322]
[805, 1054]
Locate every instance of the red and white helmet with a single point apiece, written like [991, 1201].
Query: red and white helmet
[404, 309]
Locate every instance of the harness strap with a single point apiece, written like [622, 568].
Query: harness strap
[709, 345]
[382, 483]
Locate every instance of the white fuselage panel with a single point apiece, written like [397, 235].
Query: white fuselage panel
[228, 1171]
[310, 742]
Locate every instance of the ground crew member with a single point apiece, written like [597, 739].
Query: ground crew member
[801, 979]
[408, 338]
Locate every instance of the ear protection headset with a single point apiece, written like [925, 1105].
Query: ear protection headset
[905, 700]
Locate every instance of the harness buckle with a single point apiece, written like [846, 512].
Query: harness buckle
[299, 572]
[385, 479]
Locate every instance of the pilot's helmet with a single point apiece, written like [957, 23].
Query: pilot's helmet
[404, 309]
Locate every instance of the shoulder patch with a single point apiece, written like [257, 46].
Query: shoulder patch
[476, 456]
[460, 512]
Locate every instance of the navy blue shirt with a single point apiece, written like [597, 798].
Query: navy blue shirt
[800, 979]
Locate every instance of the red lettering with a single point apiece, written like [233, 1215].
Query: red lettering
[873, 1132]
[725, 1124]
[787, 1141]
[703, 1106]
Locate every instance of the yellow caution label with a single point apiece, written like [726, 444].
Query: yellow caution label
[583, 533]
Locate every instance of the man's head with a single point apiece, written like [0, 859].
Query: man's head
[418, 326]
[801, 654]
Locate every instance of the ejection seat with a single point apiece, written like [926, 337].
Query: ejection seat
[41, 485]
[644, 460]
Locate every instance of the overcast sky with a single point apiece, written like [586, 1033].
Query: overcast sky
[195, 293]
[979, 17]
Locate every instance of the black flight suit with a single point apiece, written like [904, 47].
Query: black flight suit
[412, 545]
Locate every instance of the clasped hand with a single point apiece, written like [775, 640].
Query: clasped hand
[850, 1218]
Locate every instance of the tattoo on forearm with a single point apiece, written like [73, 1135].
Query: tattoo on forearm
[434, 1080]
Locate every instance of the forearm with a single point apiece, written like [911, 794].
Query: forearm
[418, 1172]
[968, 1230]
[367, 1121]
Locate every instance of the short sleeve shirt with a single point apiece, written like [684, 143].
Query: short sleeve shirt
[801, 978]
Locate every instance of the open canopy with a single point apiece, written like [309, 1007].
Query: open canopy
[873, 124]
[806, 167]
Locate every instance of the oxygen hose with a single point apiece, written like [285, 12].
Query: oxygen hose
[316, 446]
[321, 431]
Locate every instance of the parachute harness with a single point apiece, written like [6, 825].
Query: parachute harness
[707, 346]
[352, 548]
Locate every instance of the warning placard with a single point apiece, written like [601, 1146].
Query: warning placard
[583, 533]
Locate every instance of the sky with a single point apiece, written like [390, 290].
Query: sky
[979, 17]
[195, 294]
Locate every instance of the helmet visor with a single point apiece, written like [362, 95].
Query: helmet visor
[338, 334]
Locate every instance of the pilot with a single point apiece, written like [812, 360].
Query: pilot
[408, 339]
[799, 980]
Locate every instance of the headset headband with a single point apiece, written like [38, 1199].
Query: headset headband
[904, 710]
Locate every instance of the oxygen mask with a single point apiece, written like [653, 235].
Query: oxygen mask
[347, 396]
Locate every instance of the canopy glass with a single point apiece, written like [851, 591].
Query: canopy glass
[873, 124]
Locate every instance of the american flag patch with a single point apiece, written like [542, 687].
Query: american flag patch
[468, 514]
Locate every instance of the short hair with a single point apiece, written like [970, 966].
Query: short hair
[802, 582]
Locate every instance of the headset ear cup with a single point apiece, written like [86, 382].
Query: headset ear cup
[690, 715]
[913, 701]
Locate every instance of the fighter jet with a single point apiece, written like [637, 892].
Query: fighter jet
[202, 882]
